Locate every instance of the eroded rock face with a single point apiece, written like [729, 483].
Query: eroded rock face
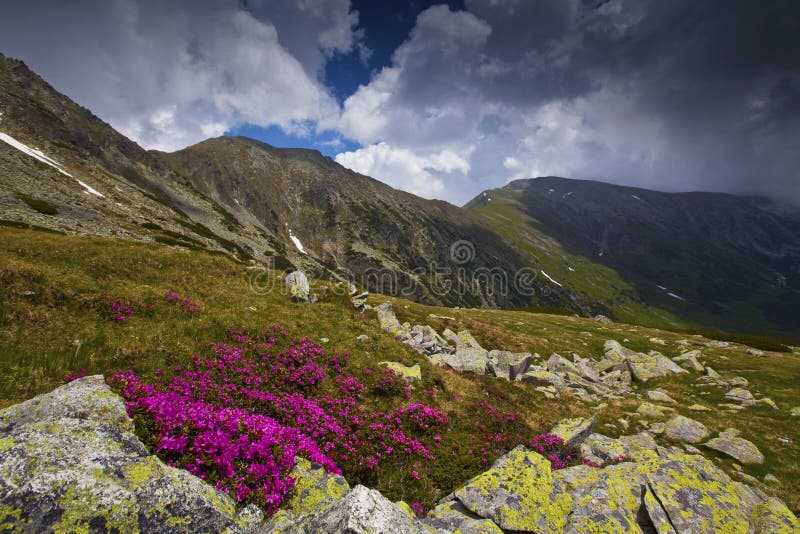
[69, 461]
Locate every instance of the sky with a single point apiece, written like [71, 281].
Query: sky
[445, 100]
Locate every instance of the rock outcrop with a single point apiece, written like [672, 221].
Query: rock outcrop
[69, 462]
[297, 285]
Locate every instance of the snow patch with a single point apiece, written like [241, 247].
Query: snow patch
[36, 153]
[91, 191]
[551, 279]
[637, 198]
[673, 295]
[565, 195]
[550, 191]
[570, 269]
[296, 242]
[662, 288]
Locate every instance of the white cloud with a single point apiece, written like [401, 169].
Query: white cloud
[403, 169]
[168, 76]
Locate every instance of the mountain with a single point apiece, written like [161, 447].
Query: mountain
[64, 169]
[712, 259]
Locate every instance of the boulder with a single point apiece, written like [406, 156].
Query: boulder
[740, 395]
[388, 320]
[508, 365]
[452, 516]
[518, 493]
[660, 396]
[739, 448]
[685, 429]
[464, 340]
[69, 461]
[360, 510]
[297, 284]
[467, 360]
[602, 319]
[574, 430]
[314, 488]
[601, 449]
[652, 411]
[754, 352]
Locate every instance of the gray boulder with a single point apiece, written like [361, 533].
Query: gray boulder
[685, 429]
[297, 284]
[70, 462]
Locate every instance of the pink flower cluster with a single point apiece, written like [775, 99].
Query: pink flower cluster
[187, 305]
[75, 376]
[240, 415]
[390, 383]
[118, 309]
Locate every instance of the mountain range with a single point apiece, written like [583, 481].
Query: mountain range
[639, 256]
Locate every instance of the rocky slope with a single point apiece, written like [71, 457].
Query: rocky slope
[709, 258]
[70, 461]
[63, 168]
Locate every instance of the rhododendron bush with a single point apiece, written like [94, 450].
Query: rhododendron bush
[239, 415]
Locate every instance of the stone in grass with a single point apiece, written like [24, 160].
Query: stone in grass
[699, 408]
[795, 412]
[740, 395]
[601, 449]
[574, 430]
[659, 395]
[652, 411]
[735, 447]
[407, 372]
[685, 429]
[297, 283]
[518, 493]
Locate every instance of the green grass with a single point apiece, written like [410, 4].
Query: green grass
[49, 328]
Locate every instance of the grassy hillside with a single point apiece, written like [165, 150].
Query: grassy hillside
[54, 321]
[601, 286]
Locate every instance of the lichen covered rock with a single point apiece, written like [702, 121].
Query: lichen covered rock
[739, 448]
[574, 430]
[518, 493]
[407, 372]
[69, 462]
[685, 429]
[773, 517]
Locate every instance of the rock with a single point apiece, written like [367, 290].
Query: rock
[769, 478]
[298, 287]
[69, 461]
[652, 411]
[643, 367]
[660, 396]
[388, 320]
[754, 352]
[639, 447]
[773, 517]
[362, 337]
[767, 401]
[360, 510]
[323, 340]
[601, 449]
[467, 360]
[740, 395]
[718, 344]
[685, 429]
[689, 360]
[657, 428]
[314, 489]
[359, 301]
[453, 516]
[657, 341]
[409, 373]
[558, 363]
[735, 447]
[699, 408]
[518, 493]
[739, 381]
[465, 340]
[697, 496]
[508, 365]
[540, 377]
[795, 412]
[574, 430]
[602, 319]
[711, 373]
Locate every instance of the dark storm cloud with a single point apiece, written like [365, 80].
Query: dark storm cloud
[668, 95]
